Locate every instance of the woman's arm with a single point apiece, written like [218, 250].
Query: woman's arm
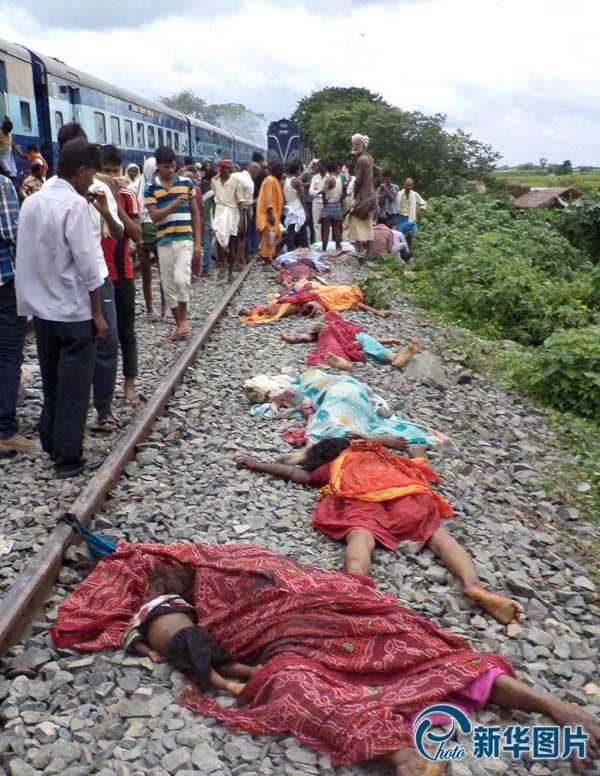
[283, 471]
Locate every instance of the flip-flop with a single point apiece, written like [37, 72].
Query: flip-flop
[131, 401]
[107, 425]
[180, 335]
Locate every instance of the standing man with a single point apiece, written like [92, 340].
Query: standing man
[208, 174]
[386, 196]
[268, 212]
[296, 212]
[246, 182]
[33, 181]
[228, 203]
[409, 205]
[104, 213]
[306, 178]
[364, 206]
[258, 174]
[172, 206]
[12, 325]
[314, 190]
[58, 282]
[332, 217]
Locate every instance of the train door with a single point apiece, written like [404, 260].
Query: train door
[75, 101]
[42, 106]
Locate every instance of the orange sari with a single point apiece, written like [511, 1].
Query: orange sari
[270, 196]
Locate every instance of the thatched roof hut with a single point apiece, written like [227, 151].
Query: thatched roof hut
[555, 196]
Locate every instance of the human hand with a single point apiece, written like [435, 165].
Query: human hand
[198, 252]
[155, 657]
[100, 327]
[182, 199]
[245, 462]
[100, 202]
[397, 442]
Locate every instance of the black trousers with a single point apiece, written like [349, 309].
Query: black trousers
[12, 338]
[125, 307]
[105, 371]
[66, 352]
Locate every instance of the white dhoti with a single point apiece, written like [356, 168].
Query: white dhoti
[294, 213]
[225, 223]
[360, 229]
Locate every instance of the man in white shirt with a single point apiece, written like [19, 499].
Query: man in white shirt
[228, 208]
[247, 184]
[316, 184]
[105, 370]
[58, 282]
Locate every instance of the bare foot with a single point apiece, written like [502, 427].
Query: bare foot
[235, 688]
[502, 609]
[405, 355]
[408, 762]
[287, 337]
[338, 363]
[385, 313]
[568, 715]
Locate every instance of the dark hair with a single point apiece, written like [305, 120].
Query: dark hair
[383, 220]
[331, 166]
[276, 169]
[33, 147]
[323, 452]
[386, 174]
[78, 153]
[294, 167]
[257, 157]
[392, 223]
[178, 580]
[323, 162]
[7, 126]
[111, 156]
[188, 160]
[69, 132]
[164, 155]
[339, 163]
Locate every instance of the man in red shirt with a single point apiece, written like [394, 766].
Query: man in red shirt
[120, 268]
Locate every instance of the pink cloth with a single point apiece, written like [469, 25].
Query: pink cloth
[338, 337]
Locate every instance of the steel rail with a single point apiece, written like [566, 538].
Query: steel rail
[32, 585]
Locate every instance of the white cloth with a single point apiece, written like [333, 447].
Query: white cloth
[294, 213]
[414, 200]
[57, 256]
[364, 139]
[98, 221]
[316, 184]
[226, 215]
[399, 241]
[175, 260]
[139, 187]
[247, 185]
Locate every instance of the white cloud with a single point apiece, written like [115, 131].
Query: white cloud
[522, 75]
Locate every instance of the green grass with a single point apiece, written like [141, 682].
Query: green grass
[587, 181]
[576, 438]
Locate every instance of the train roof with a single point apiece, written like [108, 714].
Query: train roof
[61, 70]
[15, 50]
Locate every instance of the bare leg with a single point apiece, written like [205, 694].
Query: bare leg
[146, 270]
[231, 253]
[220, 683]
[325, 225]
[296, 339]
[357, 555]
[404, 356]
[130, 392]
[239, 670]
[459, 563]
[380, 313]
[409, 241]
[336, 229]
[512, 694]
[408, 762]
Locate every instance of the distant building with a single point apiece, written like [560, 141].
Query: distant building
[552, 197]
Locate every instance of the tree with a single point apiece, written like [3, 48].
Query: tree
[231, 116]
[408, 143]
[543, 162]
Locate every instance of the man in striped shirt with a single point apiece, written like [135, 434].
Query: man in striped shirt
[172, 206]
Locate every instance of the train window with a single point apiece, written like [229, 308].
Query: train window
[115, 130]
[169, 138]
[128, 133]
[161, 137]
[58, 119]
[100, 124]
[176, 136]
[25, 116]
[141, 135]
[151, 137]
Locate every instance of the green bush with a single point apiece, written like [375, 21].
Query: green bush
[565, 371]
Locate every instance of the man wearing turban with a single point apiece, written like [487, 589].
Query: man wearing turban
[364, 205]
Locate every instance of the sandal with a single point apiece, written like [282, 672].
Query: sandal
[108, 425]
[180, 335]
[132, 401]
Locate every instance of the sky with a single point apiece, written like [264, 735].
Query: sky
[521, 75]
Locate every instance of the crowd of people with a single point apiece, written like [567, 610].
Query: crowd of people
[69, 245]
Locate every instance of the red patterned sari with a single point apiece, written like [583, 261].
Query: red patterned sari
[344, 666]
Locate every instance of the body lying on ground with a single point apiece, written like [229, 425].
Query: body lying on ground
[370, 495]
[345, 668]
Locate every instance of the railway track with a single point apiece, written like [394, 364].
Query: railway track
[182, 486]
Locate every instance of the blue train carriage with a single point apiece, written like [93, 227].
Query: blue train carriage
[245, 148]
[17, 97]
[108, 114]
[208, 142]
